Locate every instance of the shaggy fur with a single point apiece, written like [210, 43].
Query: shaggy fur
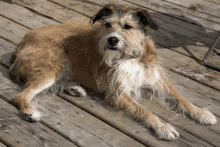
[115, 55]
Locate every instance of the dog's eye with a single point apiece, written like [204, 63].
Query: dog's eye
[108, 25]
[128, 27]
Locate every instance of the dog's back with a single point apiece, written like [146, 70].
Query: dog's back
[44, 50]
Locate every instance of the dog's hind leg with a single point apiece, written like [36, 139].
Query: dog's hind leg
[33, 87]
[163, 131]
[75, 90]
[203, 116]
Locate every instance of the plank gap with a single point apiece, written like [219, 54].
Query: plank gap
[192, 9]
[69, 8]
[41, 14]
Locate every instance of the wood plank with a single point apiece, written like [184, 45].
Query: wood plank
[183, 45]
[197, 93]
[199, 5]
[192, 31]
[51, 10]
[2, 145]
[214, 1]
[19, 133]
[188, 67]
[86, 8]
[204, 133]
[26, 17]
[181, 13]
[6, 51]
[67, 120]
[11, 31]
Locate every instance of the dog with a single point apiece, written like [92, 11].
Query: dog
[112, 53]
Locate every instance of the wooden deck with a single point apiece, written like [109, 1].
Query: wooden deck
[187, 28]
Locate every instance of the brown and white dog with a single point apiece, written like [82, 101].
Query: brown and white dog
[115, 56]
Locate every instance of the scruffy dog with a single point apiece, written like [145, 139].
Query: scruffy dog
[114, 55]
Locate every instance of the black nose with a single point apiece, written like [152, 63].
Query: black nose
[113, 41]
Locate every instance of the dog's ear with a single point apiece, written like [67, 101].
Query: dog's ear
[104, 12]
[145, 18]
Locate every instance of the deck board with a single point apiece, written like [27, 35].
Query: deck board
[181, 13]
[51, 10]
[26, 17]
[199, 5]
[213, 1]
[20, 133]
[2, 145]
[11, 31]
[83, 121]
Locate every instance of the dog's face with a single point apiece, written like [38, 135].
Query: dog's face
[123, 31]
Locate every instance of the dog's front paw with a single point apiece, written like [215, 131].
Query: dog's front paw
[76, 91]
[166, 132]
[204, 116]
[31, 115]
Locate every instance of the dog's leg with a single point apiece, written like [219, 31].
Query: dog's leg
[33, 87]
[163, 131]
[203, 116]
[75, 90]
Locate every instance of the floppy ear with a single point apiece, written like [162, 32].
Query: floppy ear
[146, 19]
[106, 11]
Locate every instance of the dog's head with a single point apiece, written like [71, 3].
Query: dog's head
[123, 31]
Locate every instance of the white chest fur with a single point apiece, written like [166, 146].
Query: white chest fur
[132, 75]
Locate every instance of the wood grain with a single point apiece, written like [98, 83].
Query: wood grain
[181, 13]
[188, 67]
[83, 7]
[2, 145]
[213, 1]
[51, 10]
[203, 6]
[26, 17]
[6, 51]
[16, 132]
[11, 31]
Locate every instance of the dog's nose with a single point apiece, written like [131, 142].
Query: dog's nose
[113, 41]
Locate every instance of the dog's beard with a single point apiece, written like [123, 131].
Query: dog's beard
[110, 56]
